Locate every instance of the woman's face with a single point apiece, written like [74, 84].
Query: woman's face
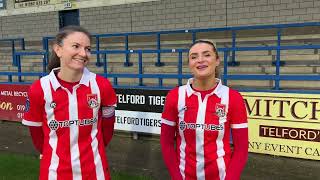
[203, 61]
[74, 52]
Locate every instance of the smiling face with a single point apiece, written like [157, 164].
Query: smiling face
[203, 61]
[74, 51]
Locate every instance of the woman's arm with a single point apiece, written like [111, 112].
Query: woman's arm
[107, 129]
[37, 137]
[240, 153]
[167, 139]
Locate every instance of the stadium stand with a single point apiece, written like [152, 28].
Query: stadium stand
[268, 57]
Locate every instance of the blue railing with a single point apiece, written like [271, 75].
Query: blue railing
[18, 59]
[193, 33]
[102, 60]
[13, 41]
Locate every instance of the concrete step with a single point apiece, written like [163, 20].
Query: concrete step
[5, 50]
[300, 57]
[267, 84]
[32, 62]
[164, 70]
[32, 68]
[16, 78]
[127, 70]
[6, 56]
[185, 70]
[166, 82]
[252, 53]
[6, 62]
[303, 85]
[297, 52]
[125, 81]
[291, 70]
[98, 70]
[8, 68]
[253, 58]
[243, 69]
[146, 57]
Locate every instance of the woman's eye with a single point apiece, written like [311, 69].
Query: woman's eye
[75, 46]
[193, 57]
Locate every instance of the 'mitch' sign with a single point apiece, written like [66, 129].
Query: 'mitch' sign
[284, 124]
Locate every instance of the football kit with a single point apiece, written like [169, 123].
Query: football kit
[202, 127]
[71, 121]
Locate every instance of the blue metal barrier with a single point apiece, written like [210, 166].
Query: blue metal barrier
[18, 59]
[13, 47]
[193, 32]
[19, 74]
[228, 60]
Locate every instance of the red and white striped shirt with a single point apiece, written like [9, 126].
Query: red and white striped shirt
[73, 145]
[203, 129]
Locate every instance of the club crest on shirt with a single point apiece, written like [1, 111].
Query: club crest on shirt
[92, 100]
[220, 110]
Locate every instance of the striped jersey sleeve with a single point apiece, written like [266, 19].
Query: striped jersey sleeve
[108, 95]
[237, 111]
[33, 116]
[170, 110]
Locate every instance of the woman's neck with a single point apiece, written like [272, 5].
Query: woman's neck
[69, 76]
[204, 84]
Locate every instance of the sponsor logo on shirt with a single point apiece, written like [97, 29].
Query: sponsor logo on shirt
[54, 124]
[208, 127]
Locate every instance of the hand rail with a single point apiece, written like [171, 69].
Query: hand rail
[13, 47]
[229, 60]
[192, 32]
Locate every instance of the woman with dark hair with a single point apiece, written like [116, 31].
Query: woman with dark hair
[196, 123]
[70, 112]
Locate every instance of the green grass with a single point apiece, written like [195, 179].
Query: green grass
[26, 167]
[15, 167]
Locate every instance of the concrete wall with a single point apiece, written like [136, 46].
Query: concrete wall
[166, 15]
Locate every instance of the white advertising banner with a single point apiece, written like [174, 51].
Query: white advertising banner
[139, 110]
[135, 121]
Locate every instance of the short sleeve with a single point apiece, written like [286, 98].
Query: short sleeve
[170, 110]
[108, 95]
[237, 110]
[33, 115]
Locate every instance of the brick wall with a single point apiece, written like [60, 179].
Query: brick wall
[30, 26]
[153, 16]
[167, 15]
[250, 12]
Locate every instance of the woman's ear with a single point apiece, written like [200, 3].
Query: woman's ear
[57, 50]
[218, 61]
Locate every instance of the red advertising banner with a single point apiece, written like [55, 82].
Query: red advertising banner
[12, 101]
